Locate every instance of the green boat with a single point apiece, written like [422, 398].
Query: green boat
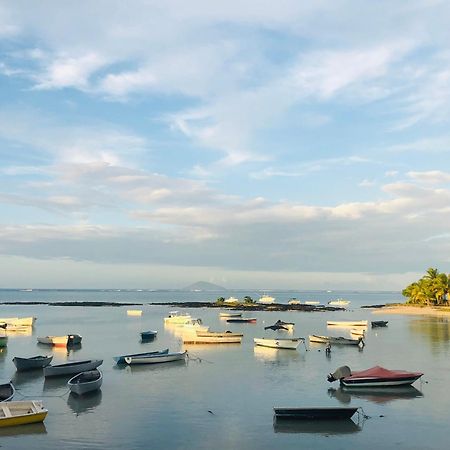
[3, 341]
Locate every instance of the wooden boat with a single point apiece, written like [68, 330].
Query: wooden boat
[339, 302]
[156, 359]
[285, 343]
[121, 359]
[374, 377]
[7, 391]
[61, 341]
[218, 334]
[230, 314]
[334, 340]
[35, 362]
[85, 382]
[148, 335]
[242, 320]
[21, 413]
[379, 323]
[314, 413]
[175, 317]
[3, 341]
[71, 367]
[134, 312]
[18, 321]
[347, 323]
[207, 338]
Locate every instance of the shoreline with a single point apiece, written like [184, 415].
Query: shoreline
[414, 310]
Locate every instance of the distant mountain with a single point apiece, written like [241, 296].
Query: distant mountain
[204, 286]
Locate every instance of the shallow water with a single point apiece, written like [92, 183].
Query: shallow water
[223, 397]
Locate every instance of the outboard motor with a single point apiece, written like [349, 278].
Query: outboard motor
[341, 372]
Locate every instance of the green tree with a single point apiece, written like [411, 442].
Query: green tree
[433, 288]
[248, 299]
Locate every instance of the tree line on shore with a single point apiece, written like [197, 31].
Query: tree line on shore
[432, 289]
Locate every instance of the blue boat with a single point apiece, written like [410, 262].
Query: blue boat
[121, 359]
[148, 335]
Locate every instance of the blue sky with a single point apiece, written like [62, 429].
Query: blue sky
[299, 145]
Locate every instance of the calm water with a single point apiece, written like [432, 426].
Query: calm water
[224, 399]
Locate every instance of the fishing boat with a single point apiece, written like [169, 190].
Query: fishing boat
[242, 320]
[3, 341]
[285, 343]
[71, 367]
[85, 382]
[35, 362]
[334, 340]
[347, 323]
[379, 323]
[218, 334]
[7, 391]
[374, 377]
[22, 413]
[156, 359]
[121, 359]
[175, 317]
[61, 341]
[18, 321]
[148, 335]
[134, 312]
[314, 413]
[339, 302]
[266, 299]
[230, 314]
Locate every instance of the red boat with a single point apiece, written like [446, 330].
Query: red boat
[374, 377]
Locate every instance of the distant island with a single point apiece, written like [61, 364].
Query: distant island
[204, 286]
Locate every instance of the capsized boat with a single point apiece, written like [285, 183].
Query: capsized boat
[156, 359]
[7, 391]
[339, 340]
[22, 413]
[280, 325]
[84, 382]
[242, 320]
[121, 359]
[347, 323]
[71, 367]
[314, 413]
[35, 362]
[285, 343]
[18, 321]
[61, 341]
[374, 377]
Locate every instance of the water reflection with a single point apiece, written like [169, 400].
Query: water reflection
[435, 329]
[33, 428]
[56, 383]
[275, 356]
[140, 368]
[3, 352]
[85, 403]
[380, 395]
[62, 353]
[22, 379]
[324, 427]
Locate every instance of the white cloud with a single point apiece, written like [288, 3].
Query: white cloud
[430, 177]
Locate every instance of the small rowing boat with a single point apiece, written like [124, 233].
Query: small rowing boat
[379, 323]
[156, 359]
[71, 367]
[61, 341]
[35, 362]
[7, 391]
[314, 413]
[218, 334]
[121, 359]
[211, 339]
[339, 340]
[85, 382]
[230, 314]
[347, 323]
[21, 413]
[242, 320]
[148, 335]
[282, 343]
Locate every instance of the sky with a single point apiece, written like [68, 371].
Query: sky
[250, 143]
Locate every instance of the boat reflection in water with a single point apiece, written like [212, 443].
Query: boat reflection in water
[84, 404]
[378, 395]
[325, 427]
[56, 383]
[61, 353]
[28, 377]
[276, 356]
[3, 352]
[32, 428]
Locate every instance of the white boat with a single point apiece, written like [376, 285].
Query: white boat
[266, 299]
[154, 359]
[71, 367]
[21, 413]
[231, 300]
[18, 321]
[347, 323]
[285, 343]
[208, 338]
[175, 317]
[294, 301]
[312, 302]
[334, 340]
[230, 314]
[218, 334]
[339, 302]
[85, 382]
[194, 325]
[60, 341]
[134, 312]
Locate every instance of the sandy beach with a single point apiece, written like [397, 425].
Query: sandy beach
[413, 310]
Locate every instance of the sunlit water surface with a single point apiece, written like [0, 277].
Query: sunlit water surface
[223, 397]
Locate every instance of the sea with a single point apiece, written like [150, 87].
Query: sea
[223, 396]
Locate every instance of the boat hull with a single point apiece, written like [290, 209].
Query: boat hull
[37, 362]
[22, 413]
[218, 334]
[333, 340]
[7, 392]
[18, 321]
[195, 339]
[156, 359]
[86, 382]
[357, 323]
[60, 341]
[71, 368]
[288, 344]
[365, 383]
[241, 320]
[314, 413]
[121, 359]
